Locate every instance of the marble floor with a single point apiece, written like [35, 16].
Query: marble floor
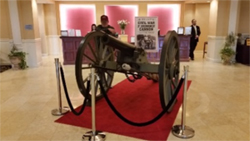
[217, 103]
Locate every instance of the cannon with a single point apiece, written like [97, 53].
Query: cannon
[108, 54]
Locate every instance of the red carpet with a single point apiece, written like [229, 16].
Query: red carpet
[138, 102]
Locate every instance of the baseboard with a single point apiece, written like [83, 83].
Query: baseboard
[5, 48]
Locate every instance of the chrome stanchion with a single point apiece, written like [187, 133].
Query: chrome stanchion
[93, 135]
[183, 131]
[60, 111]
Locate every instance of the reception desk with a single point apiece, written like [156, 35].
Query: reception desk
[184, 41]
[243, 54]
[69, 48]
[70, 45]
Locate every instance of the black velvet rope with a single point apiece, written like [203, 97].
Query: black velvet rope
[142, 123]
[67, 95]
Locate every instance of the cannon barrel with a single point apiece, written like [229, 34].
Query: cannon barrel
[117, 44]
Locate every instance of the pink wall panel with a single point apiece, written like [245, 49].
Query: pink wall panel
[128, 13]
[168, 16]
[77, 17]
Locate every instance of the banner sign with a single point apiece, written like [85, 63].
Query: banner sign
[146, 33]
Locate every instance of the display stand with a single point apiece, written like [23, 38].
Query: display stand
[183, 131]
[93, 135]
[60, 111]
[124, 37]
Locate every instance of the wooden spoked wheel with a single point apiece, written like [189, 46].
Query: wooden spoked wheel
[91, 52]
[169, 67]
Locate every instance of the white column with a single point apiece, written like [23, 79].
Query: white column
[15, 25]
[53, 40]
[213, 40]
[233, 16]
[232, 27]
[41, 21]
[215, 44]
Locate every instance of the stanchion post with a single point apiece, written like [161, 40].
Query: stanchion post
[183, 114]
[93, 135]
[183, 131]
[93, 100]
[60, 111]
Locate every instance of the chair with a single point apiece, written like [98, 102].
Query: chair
[204, 49]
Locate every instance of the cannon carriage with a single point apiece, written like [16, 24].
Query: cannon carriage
[107, 55]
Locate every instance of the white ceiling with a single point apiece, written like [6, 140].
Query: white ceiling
[186, 1]
[198, 1]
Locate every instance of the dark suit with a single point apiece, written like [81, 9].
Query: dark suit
[193, 40]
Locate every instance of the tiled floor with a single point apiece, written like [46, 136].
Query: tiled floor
[217, 103]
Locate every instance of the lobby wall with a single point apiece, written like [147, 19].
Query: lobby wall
[5, 21]
[5, 32]
[202, 17]
[244, 17]
[200, 12]
[189, 14]
[142, 8]
[52, 29]
[26, 18]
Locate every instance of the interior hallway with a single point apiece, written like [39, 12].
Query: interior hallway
[217, 104]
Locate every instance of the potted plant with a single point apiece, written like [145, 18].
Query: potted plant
[227, 51]
[17, 58]
[122, 24]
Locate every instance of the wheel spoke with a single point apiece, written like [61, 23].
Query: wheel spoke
[91, 49]
[171, 88]
[172, 52]
[86, 68]
[104, 51]
[176, 62]
[85, 80]
[96, 43]
[173, 83]
[109, 73]
[107, 57]
[96, 87]
[175, 52]
[100, 47]
[105, 83]
[88, 58]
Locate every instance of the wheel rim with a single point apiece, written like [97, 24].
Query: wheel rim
[92, 52]
[169, 68]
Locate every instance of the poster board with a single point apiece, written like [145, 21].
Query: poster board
[64, 32]
[146, 33]
[71, 32]
[78, 32]
[180, 30]
[188, 30]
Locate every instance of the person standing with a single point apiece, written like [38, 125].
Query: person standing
[195, 34]
[93, 27]
[104, 26]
